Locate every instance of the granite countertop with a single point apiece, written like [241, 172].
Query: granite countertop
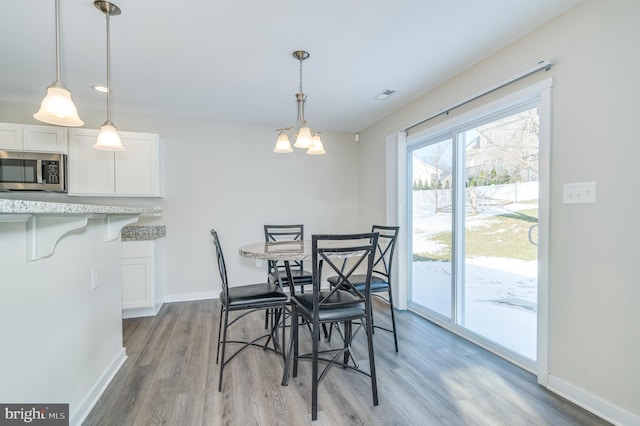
[46, 207]
[143, 232]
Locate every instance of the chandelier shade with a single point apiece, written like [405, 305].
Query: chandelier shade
[283, 145]
[57, 107]
[316, 147]
[305, 137]
[108, 139]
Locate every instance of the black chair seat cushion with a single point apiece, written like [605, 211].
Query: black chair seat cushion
[298, 276]
[251, 294]
[377, 283]
[341, 306]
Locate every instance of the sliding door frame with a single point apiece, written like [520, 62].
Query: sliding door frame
[398, 145]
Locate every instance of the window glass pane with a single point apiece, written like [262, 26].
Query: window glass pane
[499, 289]
[432, 183]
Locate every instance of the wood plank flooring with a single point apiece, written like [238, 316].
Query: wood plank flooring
[171, 378]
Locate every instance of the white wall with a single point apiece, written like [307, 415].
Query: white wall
[60, 338]
[225, 175]
[594, 344]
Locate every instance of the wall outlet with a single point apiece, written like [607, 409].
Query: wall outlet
[579, 193]
[258, 263]
[94, 279]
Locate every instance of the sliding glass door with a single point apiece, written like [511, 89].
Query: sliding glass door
[473, 222]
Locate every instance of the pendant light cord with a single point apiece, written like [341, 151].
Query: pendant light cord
[58, 40]
[108, 69]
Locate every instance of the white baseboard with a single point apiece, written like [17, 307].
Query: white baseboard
[188, 297]
[98, 389]
[592, 403]
[142, 312]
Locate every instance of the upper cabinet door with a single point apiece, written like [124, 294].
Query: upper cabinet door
[23, 137]
[134, 172]
[44, 138]
[137, 169]
[91, 171]
[11, 136]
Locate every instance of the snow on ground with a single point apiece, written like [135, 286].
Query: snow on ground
[500, 294]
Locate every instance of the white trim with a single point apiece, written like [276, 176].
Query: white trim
[598, 406]
[396, 147]
[98, 389]
[188, 297]
[141, 312]
[544, 201]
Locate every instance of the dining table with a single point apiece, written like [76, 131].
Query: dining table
[279, 251]
[286, 251]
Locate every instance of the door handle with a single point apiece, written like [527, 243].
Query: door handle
[535, 243]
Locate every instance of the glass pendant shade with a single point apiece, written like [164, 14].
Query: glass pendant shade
[283, 146]
[108, 139]
[316, 147]
[57, 107]
[304, 138]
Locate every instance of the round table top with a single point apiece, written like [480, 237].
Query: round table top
[290, 250]
[278, 250]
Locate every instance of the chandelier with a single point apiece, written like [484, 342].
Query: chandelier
[306, 138]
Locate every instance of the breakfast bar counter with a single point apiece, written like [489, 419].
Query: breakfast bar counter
[48, 222]
[11, 207]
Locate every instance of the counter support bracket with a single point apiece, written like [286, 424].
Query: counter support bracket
[44, 233]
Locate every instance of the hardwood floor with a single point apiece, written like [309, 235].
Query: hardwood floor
[170, 377]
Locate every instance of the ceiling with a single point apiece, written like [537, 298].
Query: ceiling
[231, 60]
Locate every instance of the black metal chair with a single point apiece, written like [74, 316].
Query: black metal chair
[381, 277]
[247, 298]
[336, 305]
[276, 270]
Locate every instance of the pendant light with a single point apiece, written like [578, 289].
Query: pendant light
[57, 107]
[306, 138]
[108, 139]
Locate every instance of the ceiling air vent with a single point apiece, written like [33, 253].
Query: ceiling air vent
[384, 95]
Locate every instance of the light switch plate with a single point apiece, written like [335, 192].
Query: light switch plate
[579, 193]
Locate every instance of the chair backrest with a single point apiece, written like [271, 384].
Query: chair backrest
[344, 254]
[384, 251]
[284, 233]
[222, 267]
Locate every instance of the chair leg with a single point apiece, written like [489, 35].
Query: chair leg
[224, 346]
[219, 331]
[289, 355]
[372, 364]
[347, 342]
[314, 371]
[393, 319]
[294, 339]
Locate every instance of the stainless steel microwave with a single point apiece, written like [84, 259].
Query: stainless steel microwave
[33, 171]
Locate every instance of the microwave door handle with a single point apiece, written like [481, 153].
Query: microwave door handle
[39, 167]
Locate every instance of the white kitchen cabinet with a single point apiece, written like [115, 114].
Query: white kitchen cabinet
[141, 286]
[24, 137]
[134, 172]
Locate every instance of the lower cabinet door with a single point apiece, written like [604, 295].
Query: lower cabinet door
[137, 283]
